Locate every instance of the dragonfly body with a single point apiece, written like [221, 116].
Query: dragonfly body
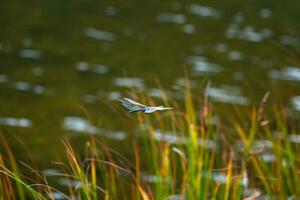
[134, 106]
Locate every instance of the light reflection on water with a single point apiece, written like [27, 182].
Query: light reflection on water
[221, 47]
[38, 89]
[110, 95]
[295, 101]
[155, 179]
[218, 177]
[24, 86]
[289, 40]
[248, 33]
[129, 82]
[81, 125]
[176, 138]
[265, 13]
[202, 66]
[17, 122]
[82, 66]
[70, 183]
[78, 124]
[111, 11]
[157, 93]
[89, 98]
[51, 172]
[268, 157]
[180, 83]
[262, 144]
[27, 43]
[171, 18]
[294, 138]
[237, 29]
[189, 29]
[204, 11]
[58, 196]
[100, 34]
[98, 69]
[290, 73]
[30, 53]
[226, 95]
[37, 71]
[235, 55]
[101, 69]
[3, 78]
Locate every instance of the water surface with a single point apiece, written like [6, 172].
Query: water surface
[64, 64]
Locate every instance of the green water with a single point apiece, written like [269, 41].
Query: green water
[63, 59]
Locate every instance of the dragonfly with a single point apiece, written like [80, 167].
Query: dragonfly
[134, 106]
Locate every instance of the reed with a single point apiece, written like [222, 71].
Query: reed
[184, 155]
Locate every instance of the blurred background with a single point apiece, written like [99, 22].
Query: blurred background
[64, 64]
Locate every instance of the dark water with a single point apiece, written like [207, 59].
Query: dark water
[65, 63]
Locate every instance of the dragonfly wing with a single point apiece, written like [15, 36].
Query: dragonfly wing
[132, 105]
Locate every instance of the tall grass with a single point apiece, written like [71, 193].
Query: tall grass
[199, 159]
